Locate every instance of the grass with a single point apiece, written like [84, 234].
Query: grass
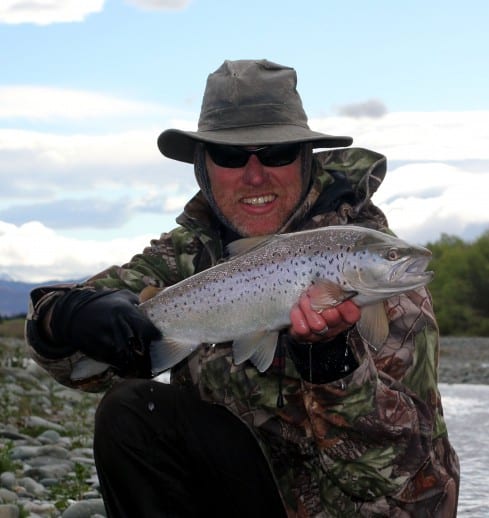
[12, 328]
[71, 487]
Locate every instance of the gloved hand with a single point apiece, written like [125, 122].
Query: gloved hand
[107, 326]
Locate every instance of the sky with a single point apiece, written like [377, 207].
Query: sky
[87, 86]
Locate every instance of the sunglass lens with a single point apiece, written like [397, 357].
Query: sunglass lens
[227, 156]
[279, 155]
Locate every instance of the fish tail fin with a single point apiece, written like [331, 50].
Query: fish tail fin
[86, 368]
[166, 353]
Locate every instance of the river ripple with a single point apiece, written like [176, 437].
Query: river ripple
[466, 410]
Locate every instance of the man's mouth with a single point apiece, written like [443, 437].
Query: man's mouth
[259, 200]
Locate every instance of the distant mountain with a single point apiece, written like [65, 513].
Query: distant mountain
[14, 296]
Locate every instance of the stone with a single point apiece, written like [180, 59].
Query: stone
[31, 486]
[85, 509]
[7, 496]
[9, 511]
[7, 480]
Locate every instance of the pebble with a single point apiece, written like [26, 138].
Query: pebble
[9, 511]
[85, 508]
[46, 431]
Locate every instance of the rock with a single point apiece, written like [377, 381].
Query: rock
[7, 496]
[85, 509]
[7, 480]
[59, 470]
[41, 457]
[36, 421]
[49, 437]
[9, 511]
[42, 508]
[31, 486]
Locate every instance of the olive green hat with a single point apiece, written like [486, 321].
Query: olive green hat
[248, 102]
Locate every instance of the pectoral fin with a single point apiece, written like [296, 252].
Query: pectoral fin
[373, 325]
[166, 353]
[325, 294]
[257, 347]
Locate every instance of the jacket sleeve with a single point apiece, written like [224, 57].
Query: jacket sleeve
[380, 430]
[166, 261]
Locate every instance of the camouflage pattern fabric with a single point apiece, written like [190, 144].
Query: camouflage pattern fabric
[371, 444]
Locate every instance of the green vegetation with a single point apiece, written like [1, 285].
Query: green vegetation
[71, 487]
[6, 462]
[460, 288]
[12, 327]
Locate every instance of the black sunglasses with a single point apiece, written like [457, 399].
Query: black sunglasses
[276, 155]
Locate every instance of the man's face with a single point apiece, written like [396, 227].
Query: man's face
[257, 199]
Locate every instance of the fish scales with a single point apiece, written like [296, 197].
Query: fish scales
[248, 299]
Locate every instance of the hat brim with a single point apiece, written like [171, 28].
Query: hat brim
[180, 145]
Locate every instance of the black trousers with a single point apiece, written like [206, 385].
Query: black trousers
[162, 452]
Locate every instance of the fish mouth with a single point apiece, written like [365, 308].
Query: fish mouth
[412, 271]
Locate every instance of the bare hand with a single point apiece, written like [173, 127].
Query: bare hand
[307, 325]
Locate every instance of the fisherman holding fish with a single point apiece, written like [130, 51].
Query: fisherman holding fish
[298, 331]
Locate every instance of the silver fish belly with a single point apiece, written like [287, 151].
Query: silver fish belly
[248, 299]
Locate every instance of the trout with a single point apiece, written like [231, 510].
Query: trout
[247, 299]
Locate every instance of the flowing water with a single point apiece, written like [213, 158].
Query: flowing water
[466, 410]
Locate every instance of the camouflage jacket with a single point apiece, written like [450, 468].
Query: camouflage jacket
[373, 443]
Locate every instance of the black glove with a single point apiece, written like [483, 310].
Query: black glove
[107, 326]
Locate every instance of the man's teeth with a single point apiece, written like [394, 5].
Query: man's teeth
[259, 200]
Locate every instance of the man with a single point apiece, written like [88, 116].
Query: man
[334, 427]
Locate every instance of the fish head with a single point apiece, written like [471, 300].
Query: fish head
[381, 265]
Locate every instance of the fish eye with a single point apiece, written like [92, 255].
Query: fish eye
[393, 254]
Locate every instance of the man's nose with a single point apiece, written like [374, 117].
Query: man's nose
[254, 172]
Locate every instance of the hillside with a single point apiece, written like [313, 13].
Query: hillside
[13, 297]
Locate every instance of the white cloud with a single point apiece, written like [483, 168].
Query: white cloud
[45, 12]
[32, 252]
[55, 151]
[416, 135]
[44, 103]
[423, 200]
[156, 5]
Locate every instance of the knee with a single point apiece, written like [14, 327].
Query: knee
[116, 398]
[130, 404]
[115, 408]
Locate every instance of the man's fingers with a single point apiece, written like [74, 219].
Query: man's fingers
[315, 321]
[299, 325]
[309, 325]
[349, 312]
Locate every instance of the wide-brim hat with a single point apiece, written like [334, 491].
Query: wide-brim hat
[245, 103]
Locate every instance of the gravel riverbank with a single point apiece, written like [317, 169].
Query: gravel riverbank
[46, 460]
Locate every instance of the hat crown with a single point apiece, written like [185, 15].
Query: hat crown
[251, 92]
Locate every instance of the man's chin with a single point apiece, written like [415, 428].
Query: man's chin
[255, 230]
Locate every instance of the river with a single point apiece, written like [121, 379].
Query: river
[466, 410]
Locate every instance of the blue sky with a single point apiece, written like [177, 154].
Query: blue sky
[86, 87]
